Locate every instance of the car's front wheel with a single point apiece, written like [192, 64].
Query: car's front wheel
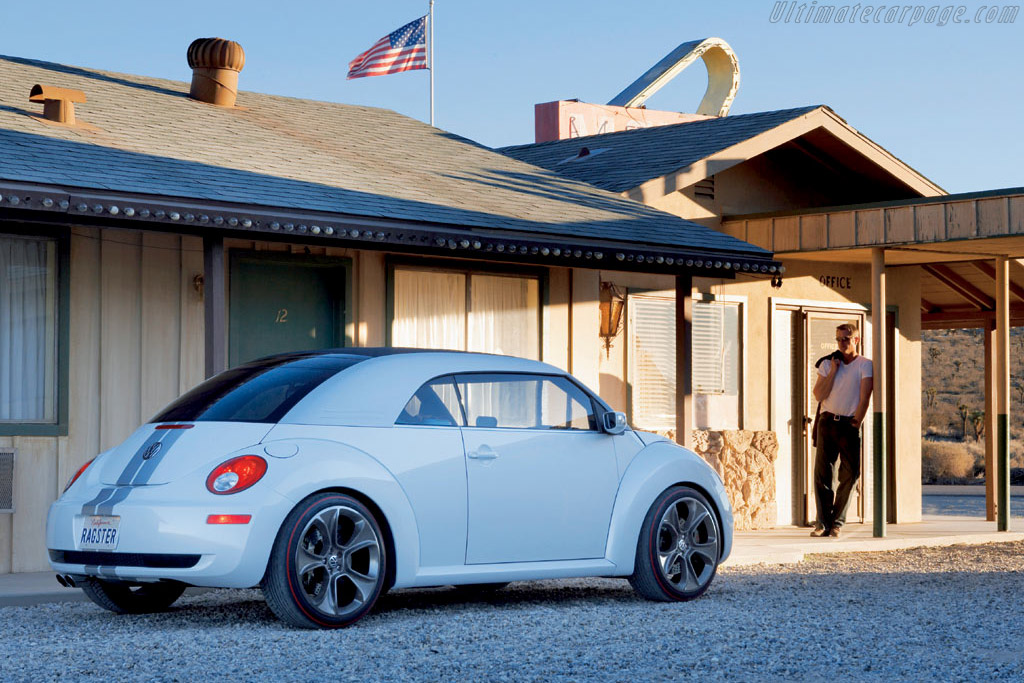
[679, 546]
[328, 565]
[122, 598]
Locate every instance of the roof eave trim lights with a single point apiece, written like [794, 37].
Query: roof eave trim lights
[385, 235]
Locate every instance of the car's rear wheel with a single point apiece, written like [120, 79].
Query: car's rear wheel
[679, 546]
[328, 565]
[122, 598]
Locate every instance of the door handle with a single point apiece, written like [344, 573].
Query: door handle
[483, 453]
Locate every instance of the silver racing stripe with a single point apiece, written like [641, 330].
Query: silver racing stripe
[136, 473]
[135, 463]
[148, 465]
[103, 496]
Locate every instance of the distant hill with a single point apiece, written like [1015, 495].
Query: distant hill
[952, 374]
[953, 392]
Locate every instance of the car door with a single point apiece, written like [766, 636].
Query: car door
[541, 477]
[426, 456]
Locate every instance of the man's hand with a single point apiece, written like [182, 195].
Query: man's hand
[835, 366]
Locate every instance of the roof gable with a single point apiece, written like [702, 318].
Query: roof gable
[626, 159]
[649, 162]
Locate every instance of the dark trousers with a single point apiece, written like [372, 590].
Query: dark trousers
[837, 440]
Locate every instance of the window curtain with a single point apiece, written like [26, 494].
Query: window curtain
[429, 310]
[504, 315]
[715, 368]
[27, 335]
[652, 362]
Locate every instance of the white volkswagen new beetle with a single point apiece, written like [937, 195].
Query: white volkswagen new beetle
[327, 478]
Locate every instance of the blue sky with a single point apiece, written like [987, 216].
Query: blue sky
[945, 99]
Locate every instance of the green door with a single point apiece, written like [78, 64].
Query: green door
[284, 302]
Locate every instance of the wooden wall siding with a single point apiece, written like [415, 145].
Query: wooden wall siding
[870, 228]
[992, 215]
[899, 224]
[929, 222]
[961, 220]
[842, 230]
[814, 232]
[759, 233]
[136, 343]
[786, 233]
[1016, 217]
[192, 350]
[953, 220]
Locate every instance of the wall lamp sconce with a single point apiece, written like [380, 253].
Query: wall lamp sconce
[611, 303]
[777, 281]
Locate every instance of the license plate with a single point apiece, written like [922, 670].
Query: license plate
[99, 533]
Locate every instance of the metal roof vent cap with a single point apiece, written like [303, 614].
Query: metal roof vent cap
[58, 103]
[215, 65]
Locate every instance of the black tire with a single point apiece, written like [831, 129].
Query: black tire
[122, 598]
[328, 565]
[679, 547]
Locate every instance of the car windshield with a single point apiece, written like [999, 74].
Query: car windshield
[260, 391]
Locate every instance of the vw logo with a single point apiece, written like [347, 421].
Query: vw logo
[153, 449]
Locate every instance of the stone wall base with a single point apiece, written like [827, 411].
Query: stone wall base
[745, 460]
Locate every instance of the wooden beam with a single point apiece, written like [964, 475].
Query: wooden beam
[214, 303]
[880, 493]
[986, 267]
[929, 307]
[991, 424]
[956, 319]
[684, 360]
[960, 286]
[1002, 394]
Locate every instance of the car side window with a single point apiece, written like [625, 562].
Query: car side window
[525, 402]
[436, 403]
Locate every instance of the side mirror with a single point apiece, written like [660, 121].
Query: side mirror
[613, 422]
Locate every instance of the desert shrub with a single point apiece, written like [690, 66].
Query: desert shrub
[944, 462]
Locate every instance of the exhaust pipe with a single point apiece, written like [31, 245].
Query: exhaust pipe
[66, 580]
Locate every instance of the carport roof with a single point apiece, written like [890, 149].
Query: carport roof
[145, 140]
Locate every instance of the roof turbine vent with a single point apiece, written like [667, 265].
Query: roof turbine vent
[215, 65]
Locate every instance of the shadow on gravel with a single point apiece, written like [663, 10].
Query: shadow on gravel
[519, 594]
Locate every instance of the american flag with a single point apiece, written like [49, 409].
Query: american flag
[400, 50]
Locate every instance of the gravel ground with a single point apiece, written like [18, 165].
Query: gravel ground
[953, 613]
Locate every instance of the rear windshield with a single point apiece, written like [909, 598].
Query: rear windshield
[260, 391]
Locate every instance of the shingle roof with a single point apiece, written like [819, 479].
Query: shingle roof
[621, 161]
[274, 151]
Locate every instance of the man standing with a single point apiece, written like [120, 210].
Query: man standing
[843, 388]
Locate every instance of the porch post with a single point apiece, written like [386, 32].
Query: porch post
[878, 336]
[684, 347]
[214, 305]
[991, 423]
[1002, 393]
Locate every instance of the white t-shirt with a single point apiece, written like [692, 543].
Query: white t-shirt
[846, 388]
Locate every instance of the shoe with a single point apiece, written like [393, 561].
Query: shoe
[819, 531]
[833, 532]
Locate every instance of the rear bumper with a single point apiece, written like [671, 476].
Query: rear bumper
[162, 538]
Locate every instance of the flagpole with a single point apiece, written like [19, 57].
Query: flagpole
[430, 57]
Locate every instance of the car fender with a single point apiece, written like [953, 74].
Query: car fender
[341, 466]
[654, 469]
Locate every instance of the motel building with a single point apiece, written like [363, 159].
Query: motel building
[689, 267]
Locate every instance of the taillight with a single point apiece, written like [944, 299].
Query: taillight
[236, 474]
[81, 469]
[228, 519]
